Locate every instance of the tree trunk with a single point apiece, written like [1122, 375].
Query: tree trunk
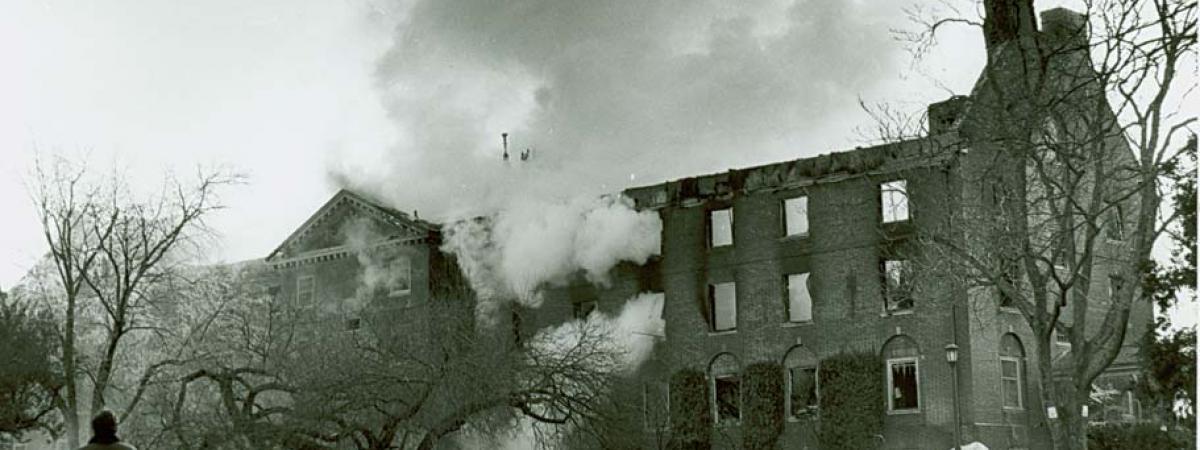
[1069, 431]
[104, 374]
[71, 405]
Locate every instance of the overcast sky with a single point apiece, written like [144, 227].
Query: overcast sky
[406, 100]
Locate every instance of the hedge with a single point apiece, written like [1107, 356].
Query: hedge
[691, 419]
[762, 405]
[851, 401]
[1141, 436]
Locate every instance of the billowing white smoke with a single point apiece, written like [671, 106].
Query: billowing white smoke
[630, 335]
[510, 255]
[360, 236]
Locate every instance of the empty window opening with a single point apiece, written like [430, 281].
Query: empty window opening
[722, 306]
[399, 271]
[720, 227]
[729, 398]
[894, 201]
[902, 385]
[799, 298]
[897, 285]
[801, 382]
[724, 376]
[803, 391]
[1010, 275]
[795, 216]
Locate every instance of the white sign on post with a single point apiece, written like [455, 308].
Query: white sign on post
[1051, 413]
[1084, 411]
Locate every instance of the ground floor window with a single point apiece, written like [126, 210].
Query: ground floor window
[803, 386]
[903, 387]
[1012, 383]
[727, 389]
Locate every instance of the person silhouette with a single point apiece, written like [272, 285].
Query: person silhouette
[104, 434]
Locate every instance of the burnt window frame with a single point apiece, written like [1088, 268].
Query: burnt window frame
[891, 384]
[783, 206]
[907, 285]
[882, 195]
[710, 229]
[808, 292]
[711, 301]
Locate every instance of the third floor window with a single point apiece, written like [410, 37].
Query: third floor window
[795, 216]
[720, 227]
[893, 196]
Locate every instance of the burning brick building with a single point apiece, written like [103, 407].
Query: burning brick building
[792, 263]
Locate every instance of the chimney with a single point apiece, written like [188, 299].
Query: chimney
[944, 116]
[504, 137]
[1005, 20]
[1064, 26]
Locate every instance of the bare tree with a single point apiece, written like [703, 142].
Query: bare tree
[1067, 136]
[109, 248]
[296, 379]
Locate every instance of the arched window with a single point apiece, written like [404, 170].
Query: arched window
[724, 374]
[903, 375]
[801, 379]
[1012, 372]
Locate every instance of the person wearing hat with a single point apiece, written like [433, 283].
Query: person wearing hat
[104, 434]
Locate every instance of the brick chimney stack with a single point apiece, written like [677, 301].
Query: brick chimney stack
[1005, 20]
[1064, 26]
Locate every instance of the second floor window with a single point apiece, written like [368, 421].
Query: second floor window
[893, 196]
[722, 307]
[897, 285]
[720, 227]
[305, 291]
[799, 306]
[795, 216]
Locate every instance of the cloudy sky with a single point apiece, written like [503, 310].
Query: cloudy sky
[406, 100]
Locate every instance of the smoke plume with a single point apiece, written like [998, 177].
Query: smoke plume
[513, 253]
[609, 94]
[377, 270]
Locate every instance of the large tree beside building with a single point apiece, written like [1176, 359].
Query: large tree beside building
[262, 373]
[110, 245]
[1066, 144]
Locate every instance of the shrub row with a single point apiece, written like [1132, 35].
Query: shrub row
[851, 401]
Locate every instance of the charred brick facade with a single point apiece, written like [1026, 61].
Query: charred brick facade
[843, 252]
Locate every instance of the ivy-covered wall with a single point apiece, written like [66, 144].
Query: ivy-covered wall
[691, 419]
[851, 401]
[762, 400]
